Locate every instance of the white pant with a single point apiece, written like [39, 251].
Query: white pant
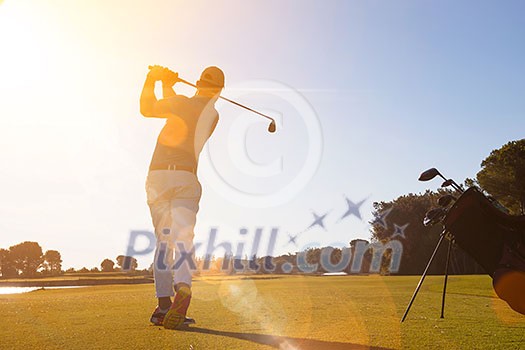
[173, 199]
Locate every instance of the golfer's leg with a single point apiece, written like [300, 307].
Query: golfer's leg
[162, 270]
[163, 261]
[183, 222]
[184, 212]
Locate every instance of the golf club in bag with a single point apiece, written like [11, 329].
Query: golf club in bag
[481, 227]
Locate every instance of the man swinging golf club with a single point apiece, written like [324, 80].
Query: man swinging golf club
[173, 190]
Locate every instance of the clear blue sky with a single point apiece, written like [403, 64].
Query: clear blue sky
[396, 87]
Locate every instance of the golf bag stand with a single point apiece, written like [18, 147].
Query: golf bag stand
[443, 235]
[449, 250]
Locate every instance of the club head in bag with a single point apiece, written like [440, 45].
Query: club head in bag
[445, 200]
[434, 216]
[447, 183]
[429, 174]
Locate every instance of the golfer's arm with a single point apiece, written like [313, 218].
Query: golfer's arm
[167, 91]
[148, 98]
[149, 105]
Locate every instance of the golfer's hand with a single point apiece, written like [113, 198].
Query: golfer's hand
[156, 72]
[169, 78]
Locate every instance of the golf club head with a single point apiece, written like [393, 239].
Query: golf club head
[428, 174]
[272, 127]
[445, 200]
[434, 216]
[447, 183]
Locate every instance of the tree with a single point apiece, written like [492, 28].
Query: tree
[252, 264]
[53, 262]
[7, 268]
[502, 175]
[127, 263]
[419, 240]
[313, 256]
[366, 260]
[27, 258]
[107, 265]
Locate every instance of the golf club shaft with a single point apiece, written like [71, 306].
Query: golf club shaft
[454, 184]
[231, 101]
[227, 99]
[446, 280]
[457, 187]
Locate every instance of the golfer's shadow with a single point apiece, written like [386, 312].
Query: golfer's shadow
[285, 343]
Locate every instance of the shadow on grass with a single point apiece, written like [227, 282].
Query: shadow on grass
[285, 343]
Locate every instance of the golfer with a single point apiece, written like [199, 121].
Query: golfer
[173, 190]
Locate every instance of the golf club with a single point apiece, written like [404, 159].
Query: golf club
[447, 183]
[429, 174]
[433, 172]
[434, 216]
[445, 200]
[271, 128]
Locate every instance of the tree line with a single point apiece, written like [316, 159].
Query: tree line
[122, 263]
[28, 260]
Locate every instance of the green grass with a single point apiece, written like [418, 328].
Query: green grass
[291, 312]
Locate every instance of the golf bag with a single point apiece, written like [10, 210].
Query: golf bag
[494, 239]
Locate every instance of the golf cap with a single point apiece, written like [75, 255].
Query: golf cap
[214, 76]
